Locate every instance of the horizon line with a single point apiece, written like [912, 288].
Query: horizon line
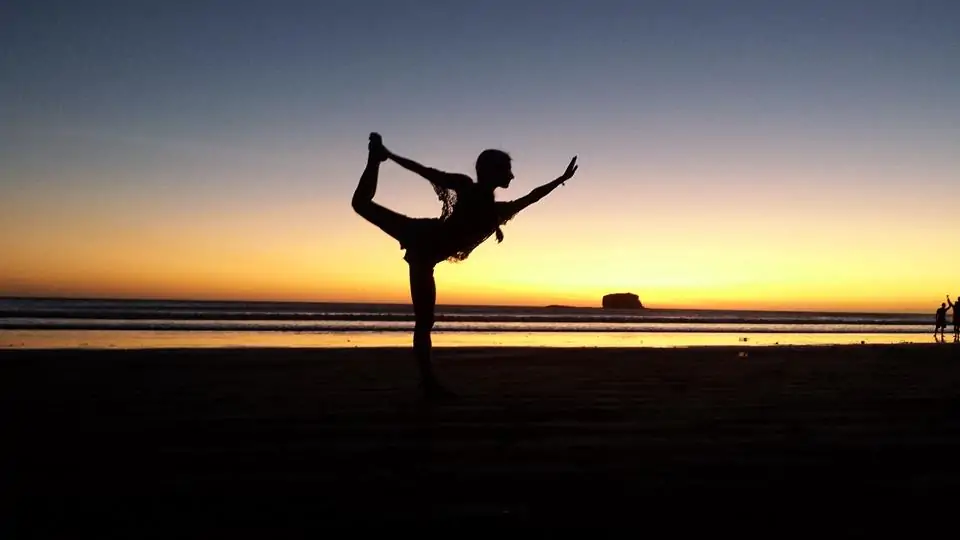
[515, 306]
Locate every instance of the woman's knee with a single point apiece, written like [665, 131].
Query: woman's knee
[424, 323]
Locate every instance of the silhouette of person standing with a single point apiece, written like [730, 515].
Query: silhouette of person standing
[470, 215]
[941, 323]
[956, 319]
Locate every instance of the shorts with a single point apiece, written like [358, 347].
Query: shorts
[422, 238]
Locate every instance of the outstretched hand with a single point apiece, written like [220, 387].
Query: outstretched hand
[571, 170]
[376, 147]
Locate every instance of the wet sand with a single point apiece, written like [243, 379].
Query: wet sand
[787, 440]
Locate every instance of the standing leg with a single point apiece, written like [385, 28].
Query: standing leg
[423, 292]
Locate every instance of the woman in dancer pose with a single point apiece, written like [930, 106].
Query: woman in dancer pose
[470, 215]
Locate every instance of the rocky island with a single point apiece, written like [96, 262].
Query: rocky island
[622, 301]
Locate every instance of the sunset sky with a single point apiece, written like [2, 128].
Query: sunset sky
[733, 154]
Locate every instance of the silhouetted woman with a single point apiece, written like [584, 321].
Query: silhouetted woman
[956, 318]
[941, 323]
[470, 216]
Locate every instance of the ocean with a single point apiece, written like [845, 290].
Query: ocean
[57, 323]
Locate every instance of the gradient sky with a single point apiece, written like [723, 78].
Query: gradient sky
[750, 154]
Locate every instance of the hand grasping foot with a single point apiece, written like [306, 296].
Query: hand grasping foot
[376, 148]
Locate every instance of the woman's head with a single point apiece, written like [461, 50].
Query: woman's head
[494, 168]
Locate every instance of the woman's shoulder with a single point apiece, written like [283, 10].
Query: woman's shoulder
[460, 181]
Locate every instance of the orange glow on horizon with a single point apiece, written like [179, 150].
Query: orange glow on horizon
[699, 254]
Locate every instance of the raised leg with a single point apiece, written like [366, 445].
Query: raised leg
[394, 224]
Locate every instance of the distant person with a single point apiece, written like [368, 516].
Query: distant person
[941, 323]
[470, 215]
[956, 319]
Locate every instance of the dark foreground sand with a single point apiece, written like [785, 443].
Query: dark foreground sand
[788, 441]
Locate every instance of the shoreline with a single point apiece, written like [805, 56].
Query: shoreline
[468, 349]
[166, 339]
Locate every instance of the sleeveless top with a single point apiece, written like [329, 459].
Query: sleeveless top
[469, 217]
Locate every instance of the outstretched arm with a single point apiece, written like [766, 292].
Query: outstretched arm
[443, 179]
[431, 174]
[513, 207]
[438, 178]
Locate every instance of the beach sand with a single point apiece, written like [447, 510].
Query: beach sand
[803, 440]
